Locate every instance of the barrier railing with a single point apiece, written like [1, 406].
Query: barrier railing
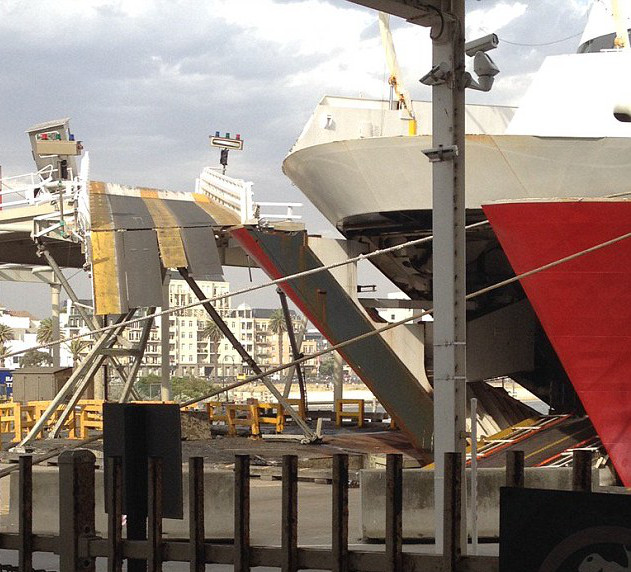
[78, 546]
[342, 412]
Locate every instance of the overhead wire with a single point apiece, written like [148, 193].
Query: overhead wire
[419, 315]
[240, 292]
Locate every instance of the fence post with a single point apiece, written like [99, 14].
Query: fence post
[394, 508]
[515, 469]
[340, 513]
[582, 470]
[154, 515]
[76, 509]
[452, 511]
[26, 513]
[115, 512]
[289, 535]
[242, 513]
[196, 513]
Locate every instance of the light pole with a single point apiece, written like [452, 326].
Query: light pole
[448, 79]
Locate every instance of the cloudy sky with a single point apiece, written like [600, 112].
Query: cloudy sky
[146, 81]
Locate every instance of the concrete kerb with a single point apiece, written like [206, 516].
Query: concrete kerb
[218, 499]
[418, 499]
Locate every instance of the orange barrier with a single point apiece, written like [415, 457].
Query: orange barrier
[341, 413]
[251, 419]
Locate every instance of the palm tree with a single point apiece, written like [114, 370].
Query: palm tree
[213, 333]
[3, 352]
[76, 347]
[278, 326]
[6, 334]
[45, 331]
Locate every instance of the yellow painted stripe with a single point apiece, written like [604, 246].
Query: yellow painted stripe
[107, 296]
[100, 212]
[221, 215]
[172, 250]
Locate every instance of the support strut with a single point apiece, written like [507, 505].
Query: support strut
[245, 356]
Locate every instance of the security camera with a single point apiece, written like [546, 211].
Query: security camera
[483, 44]
[486, 70]
[622, 112]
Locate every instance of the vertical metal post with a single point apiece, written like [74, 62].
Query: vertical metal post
[515, 469]
[340, 513]
[289, 524]
[115, 513]
[449, 253]
[474, 476]
[295, 352]
[394, 509]
[197, 531]
[452, 511]
[165, 352]
[55, 292]
[338, 376]
[242, 513]
[25, 503]
[582, 470]
[154, 516]
[76, 509]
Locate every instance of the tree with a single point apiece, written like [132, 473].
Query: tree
[278, 326]
[76, 347]
[213, 333]
[6, 335]
[185, 388]
[45, 331]
[35, 358]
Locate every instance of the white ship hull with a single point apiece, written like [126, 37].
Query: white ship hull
[354, 177]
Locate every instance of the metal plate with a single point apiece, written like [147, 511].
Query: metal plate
[129, 213]
[141, 265]
[202, 253]
[189, 213]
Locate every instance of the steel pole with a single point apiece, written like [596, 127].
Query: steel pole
[165, 352]
[449, 253]
[55, 292]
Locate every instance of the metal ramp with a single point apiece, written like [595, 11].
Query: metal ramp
[333, 311]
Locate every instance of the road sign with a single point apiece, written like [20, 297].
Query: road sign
[226, 143]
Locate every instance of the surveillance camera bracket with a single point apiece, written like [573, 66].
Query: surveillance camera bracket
[441, 153]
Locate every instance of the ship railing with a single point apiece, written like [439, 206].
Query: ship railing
[287, 215]
[233, 194]
[36, 188]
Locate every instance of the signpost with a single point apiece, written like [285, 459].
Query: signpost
[226, 144]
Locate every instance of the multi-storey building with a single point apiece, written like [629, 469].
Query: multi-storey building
[191, 351]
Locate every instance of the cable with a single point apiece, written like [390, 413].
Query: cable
[524, 45]
[417, 316]
[240, 292]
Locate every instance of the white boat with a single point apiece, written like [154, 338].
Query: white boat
[357, 162]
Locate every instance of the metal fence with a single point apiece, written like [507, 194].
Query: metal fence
[78, 546]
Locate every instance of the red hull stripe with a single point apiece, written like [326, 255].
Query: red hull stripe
[584, 305]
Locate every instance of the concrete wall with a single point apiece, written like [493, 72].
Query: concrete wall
[218, 499]
[418, 499]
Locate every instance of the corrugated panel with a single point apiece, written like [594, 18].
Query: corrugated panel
[141, 266]
[201, 252]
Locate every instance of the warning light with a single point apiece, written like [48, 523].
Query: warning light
[238, 137]
[44, 136]
[227, 142]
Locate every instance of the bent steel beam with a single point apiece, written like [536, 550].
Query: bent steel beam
[327, 305]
